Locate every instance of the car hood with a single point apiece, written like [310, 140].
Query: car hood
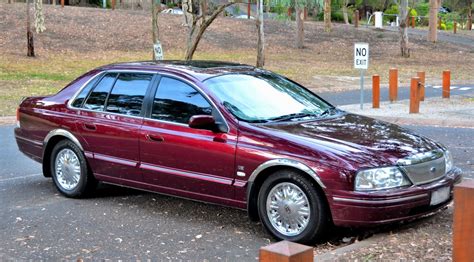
[354, 138]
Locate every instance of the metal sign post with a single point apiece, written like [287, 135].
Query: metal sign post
[361, 61]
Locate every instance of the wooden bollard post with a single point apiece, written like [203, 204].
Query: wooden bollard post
[393, 84]
[289, 12]
[356, 18]
[446, 83]
[463, 223]
[421, 75]
[248, 10]
[305, 13]
[113, 4]
[414, 95]
[62, 3]
[412, 22]
[286, 251]
[455, 25]
[375, 91]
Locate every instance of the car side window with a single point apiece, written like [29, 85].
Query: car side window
[128, 93]
[97, 97]
[176, 101]
[84, 92]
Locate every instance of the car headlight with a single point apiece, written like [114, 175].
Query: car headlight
[448, 160]
[380, 178]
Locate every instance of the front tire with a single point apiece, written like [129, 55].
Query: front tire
[69, 170]
[291, 208]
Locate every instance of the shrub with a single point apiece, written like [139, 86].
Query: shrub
[278, 8]
[422, 9]
[390, 12]
[412, 12]
[443, 26]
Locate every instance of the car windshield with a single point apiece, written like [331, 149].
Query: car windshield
[264, 97]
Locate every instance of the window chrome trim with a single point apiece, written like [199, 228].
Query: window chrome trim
[197, 88]
[69, 103]
[288, 163]
[73, 98]
[383, 201]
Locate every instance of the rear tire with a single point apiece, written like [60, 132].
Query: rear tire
[291, 207]
[70, 171]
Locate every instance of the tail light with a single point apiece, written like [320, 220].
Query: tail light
[18, 117]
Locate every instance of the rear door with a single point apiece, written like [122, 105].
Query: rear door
[110, 122]
[175, 156]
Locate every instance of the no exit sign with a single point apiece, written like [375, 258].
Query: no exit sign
[361, 55]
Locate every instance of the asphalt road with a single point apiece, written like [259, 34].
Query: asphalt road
[116, 223]
[353, 96]
[443, 36]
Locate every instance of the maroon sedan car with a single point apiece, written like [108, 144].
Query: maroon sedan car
[238, 136]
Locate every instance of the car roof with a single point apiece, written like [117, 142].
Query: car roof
[198, 69]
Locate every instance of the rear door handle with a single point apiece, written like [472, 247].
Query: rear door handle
[154, 138]
[90, 126]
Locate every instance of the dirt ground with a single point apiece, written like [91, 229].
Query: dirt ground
[78, 39]
[411, 242]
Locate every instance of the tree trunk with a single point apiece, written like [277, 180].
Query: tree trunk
[299, 27]
[344, 12]
[198, 26]
[154, 25]
[260, 39]
[433, 22]
[29, 34]
[469, 14]
[405, 51]
[187, 7]
[327, 15]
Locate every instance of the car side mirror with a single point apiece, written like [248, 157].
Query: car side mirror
[203, 122]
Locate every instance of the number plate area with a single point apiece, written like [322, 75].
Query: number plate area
[440, 195]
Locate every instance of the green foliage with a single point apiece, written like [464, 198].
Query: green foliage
[452, 16]
[443, 26]
[293, 3]
[170, 4]
[390, 14]
[236, 10]
[278, 8]
[412, 12]
[337, 15]
[422, 9]
[392, 10]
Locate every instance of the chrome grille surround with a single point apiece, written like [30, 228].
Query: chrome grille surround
[424, 167]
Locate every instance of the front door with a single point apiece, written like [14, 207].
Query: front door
[174, 156]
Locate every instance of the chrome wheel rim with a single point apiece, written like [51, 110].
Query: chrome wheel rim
[288, 209]
[67, 169]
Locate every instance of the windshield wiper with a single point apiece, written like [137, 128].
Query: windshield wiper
[292, 116]
[328, 111]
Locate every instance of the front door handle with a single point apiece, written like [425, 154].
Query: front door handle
[91, 127]
[154, 138]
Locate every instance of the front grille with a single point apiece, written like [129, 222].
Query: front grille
[422, 172]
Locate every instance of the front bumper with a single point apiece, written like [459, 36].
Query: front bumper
[388, 206]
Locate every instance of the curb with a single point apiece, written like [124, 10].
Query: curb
[7, 120]
[452, 123]
[334, 254]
